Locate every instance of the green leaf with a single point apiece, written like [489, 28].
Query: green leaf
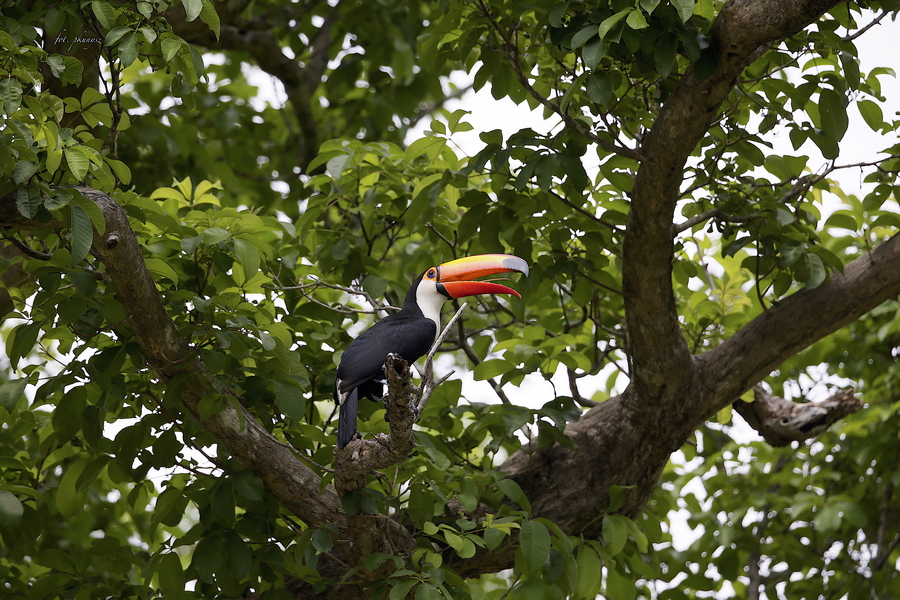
[78, 162]
[583, 35]
[149, 34]
[427, 591]
[11, 511]
[815, 271]
[828, 518]
[455, 541]
[192, 9]
[685, 9]
[11, 95]
[128, 48]
[611, 22]
[170, 47]
[593, 53]
[82, 234]
[534, 543]
[589, 569]
[619, 586]
[92, 210]
[665, 53]
[492, 368]
[843, 219]
[161, 269]
[23, 171]
[12, 391]
[615, 533]
[208, 558]
[636, 19]
[104, 12]
[248, 257]
[555, 16]
[400, 590]
[833, 114]
[249, 485]
[28, 201]
[784, 216]
[238, 556]
[871, 114]
[215, 235]
[68, 499]
[427, 146]
[511, 490]
[171, 576]
[209, 16]
[599, 87]
[115, 34]
[21, 345]
[289, 399]
[321, 541]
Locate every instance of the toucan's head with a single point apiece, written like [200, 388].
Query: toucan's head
[457, 279]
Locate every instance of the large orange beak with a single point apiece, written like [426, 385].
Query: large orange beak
[456, 278]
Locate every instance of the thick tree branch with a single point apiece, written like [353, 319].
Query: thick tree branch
[781, 421]
[797, 322]
[659, 352]
[293, 483]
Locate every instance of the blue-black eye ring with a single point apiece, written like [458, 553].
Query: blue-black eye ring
[431, 274]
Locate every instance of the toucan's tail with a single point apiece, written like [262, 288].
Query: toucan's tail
[347, 419]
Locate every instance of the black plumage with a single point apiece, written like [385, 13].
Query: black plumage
[408, 333]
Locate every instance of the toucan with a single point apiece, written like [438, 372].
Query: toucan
[412, 331]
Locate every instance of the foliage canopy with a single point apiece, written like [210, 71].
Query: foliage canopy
[170, 436]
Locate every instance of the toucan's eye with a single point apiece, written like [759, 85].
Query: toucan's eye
[431, 274]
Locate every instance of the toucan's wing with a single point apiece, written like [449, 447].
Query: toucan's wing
[363, 359]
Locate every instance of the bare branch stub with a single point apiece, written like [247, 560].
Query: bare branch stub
[781, 421]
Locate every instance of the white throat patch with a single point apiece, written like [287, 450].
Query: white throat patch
[430, 302]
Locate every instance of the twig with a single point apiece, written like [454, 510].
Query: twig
[311, 287]
[426, 387]
[28, 250]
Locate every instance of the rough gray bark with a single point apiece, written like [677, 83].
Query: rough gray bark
[781, 421]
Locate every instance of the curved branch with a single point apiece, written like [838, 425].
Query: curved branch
[292, 483]
[797, 322]
[662, 360]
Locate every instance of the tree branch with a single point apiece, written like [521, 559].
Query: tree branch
[427, 385]
[174, 361]
[360, 456]
[660, 354]
[781, 421]
[797, 322]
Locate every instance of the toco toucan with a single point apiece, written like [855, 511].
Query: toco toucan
[411, 332]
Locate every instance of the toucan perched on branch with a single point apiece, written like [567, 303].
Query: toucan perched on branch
[411, 332]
